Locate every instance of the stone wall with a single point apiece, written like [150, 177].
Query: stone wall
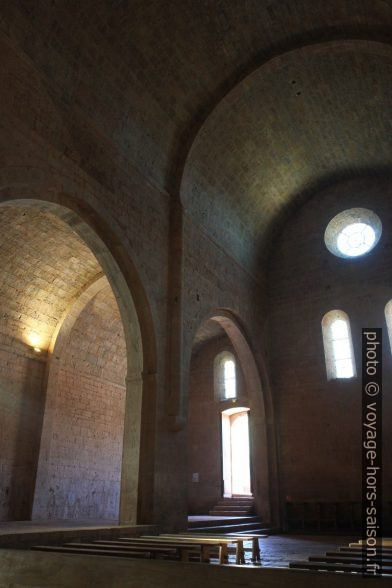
[65, 143]
[319, 421]
[80, 467]
[44, 161]
[213, 281]
[21, 411]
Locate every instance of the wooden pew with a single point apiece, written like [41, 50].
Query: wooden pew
[386, 542]
[346, 559]
[202, 548]
[333, 567]
[254, 539]
[205, 545]
[360, 549]
[179, 552]
[147, 552]
[216, 542]
[183, 550]
[339, 557]
[175, 546]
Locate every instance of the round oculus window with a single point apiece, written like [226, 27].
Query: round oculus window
[353, 233]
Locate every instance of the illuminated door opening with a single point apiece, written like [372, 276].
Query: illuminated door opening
[235, 452]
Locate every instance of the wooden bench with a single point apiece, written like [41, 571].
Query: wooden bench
[343, 558]
[175, 546]
[183, 550]
[360, 549]
[203, 550]
[85, 549]
[333, 567]
[205, 545]
[385, 542]
[254, 539]
[347, 559]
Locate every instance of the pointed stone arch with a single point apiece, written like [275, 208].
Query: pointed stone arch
[263, 437]
[33, 188]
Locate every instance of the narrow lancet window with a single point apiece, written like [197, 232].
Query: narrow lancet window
[338, 348]
[225, 376]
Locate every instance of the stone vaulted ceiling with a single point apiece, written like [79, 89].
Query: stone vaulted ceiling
[309, 117]
[239, 107]
[44, 267]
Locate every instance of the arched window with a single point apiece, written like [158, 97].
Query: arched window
[338, 348]
[388, 318]
[225, 376]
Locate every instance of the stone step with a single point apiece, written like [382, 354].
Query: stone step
[241, 510]
[212, 522]
[246, 503]
[238, 529]
[233, 506]
[244, 498]
[228, 513]
[229, 506]
[238, 525]
[260, 531]
[234, 498]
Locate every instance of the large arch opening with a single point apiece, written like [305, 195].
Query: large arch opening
[71, 383]
[218, 340]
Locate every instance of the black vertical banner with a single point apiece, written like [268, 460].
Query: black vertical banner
[371, 452]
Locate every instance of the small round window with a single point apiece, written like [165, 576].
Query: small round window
[353, 232]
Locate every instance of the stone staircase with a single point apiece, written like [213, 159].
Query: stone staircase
[230, 515]
[239, 525]
[237, 506]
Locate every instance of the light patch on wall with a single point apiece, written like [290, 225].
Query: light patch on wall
[36, 341]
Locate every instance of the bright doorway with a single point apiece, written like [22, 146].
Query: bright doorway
[235, 452]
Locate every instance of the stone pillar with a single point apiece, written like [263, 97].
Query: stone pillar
[147, 456]
[131, 450]
[137, 473]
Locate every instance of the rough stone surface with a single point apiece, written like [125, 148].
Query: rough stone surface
[43, 267]
[307, 281]
[79, 477]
